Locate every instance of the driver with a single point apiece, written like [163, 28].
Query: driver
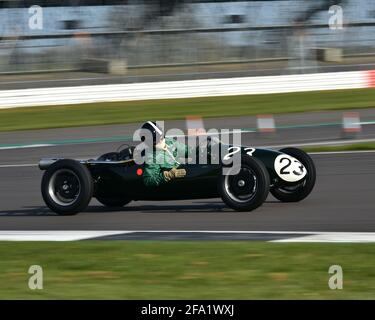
[161, 164]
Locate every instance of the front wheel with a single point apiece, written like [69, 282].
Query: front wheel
[67, 187]
[247, 189]
[297, 192]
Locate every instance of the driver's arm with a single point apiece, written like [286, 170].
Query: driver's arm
[154, 175]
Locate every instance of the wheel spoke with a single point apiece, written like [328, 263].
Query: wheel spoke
[242, 187]
[64, 187]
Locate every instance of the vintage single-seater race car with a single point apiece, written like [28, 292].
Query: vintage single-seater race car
[115, 179]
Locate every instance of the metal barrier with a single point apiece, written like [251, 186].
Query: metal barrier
[186, 89]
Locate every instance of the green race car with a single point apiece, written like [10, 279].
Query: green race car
[115, 179]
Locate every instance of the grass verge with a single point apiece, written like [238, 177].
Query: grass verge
[186, 270]
[138, 111]
[347, 147]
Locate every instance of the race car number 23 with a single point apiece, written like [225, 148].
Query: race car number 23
[289, 168]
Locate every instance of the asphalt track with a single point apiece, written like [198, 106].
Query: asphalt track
[343, 199]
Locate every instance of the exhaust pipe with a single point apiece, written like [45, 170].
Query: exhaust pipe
[44, 164]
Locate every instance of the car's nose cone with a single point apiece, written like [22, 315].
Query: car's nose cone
[289, 168]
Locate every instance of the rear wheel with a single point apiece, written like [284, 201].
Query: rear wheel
[113, 202]
[67, 187]
[299, 191]
[247, 189]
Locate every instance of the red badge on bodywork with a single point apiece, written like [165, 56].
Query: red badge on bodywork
[139, 172]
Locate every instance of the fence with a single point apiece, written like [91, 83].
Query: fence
[248, 35]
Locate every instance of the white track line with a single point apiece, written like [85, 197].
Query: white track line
[342, 152]
[305, 236]
[54, 235]
[345, 237]
[27, 146]
[18, 165]
[323, 143]
[247, 232]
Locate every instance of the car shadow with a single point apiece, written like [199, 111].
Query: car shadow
[196, 207]
[165, 208]
[273, 201]
[27, 211]
[42, 211]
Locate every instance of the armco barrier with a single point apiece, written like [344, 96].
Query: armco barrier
[186, 89]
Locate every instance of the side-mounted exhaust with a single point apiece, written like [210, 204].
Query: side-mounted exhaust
[44, 164]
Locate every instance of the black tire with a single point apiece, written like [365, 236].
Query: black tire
[290, 193]
[67, 187]
[234, 194]
[113, 202]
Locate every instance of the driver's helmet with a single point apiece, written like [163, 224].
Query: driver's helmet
[156, 131]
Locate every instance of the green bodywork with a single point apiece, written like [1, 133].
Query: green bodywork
[160, 160]
[118, 179]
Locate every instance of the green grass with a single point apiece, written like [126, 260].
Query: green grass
[138, 111]
[347, 147]
[186, 270]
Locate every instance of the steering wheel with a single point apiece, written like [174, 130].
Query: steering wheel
[205, 147]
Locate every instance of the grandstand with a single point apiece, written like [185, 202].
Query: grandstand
[172, 33]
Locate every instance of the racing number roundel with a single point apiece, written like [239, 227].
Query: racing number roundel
[289, 169]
